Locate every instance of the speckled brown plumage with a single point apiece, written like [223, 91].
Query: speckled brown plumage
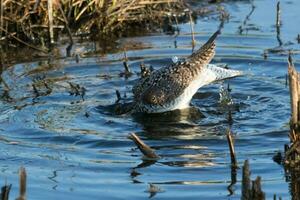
[166, 84]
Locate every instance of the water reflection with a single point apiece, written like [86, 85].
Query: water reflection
[191, 114]
[231, 187]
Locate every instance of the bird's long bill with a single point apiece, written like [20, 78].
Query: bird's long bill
[220, 73]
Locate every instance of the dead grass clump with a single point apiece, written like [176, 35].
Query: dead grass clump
[41, 21]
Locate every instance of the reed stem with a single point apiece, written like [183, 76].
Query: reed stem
[50, 17]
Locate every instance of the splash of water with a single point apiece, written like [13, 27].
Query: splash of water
[225, 98]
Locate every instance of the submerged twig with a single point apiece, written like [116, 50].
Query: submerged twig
[145, 149]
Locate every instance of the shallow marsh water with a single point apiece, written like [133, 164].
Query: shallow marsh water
[75, 149]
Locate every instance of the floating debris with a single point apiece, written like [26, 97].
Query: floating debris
[265, 54]
[77, 90]
[134, 173]
[153, 190]
[148, 152]
[40, 86]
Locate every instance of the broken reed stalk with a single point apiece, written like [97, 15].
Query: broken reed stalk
[192, 31]
[249, 192]
[125, 63]
[118, 96]
[231, 149]
[22, 181]
[5, 192]
[278, 23]
[148, 152]
[246, 181]
[1, 17]
[50, 17]
[292, 154]
[294, 82]
[22, 191]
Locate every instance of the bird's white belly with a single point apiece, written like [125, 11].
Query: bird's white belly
[183, 101]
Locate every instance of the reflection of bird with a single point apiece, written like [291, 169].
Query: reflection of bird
[173, 87]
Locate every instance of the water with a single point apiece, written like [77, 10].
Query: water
[75, 149]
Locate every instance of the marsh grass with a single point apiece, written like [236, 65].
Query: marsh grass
[42, 21]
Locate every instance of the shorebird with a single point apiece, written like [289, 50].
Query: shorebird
[172, 87]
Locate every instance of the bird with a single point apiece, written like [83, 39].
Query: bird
[172, 87]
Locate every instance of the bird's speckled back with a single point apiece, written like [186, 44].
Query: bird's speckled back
[167, 83]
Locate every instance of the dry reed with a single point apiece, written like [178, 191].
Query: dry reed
[292, 156]
[41, 21]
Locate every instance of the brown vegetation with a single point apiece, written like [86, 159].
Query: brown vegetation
[40, 21]
[292, 154]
